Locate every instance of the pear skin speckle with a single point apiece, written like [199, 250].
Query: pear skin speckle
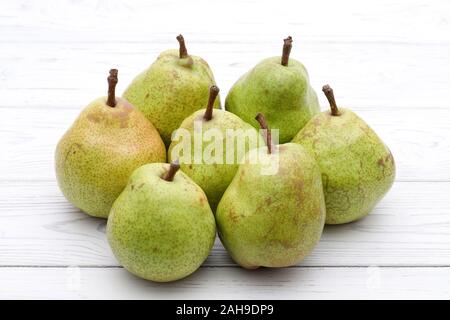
[282, 93]
[357, 168]
[170, 90]
[95, 157]
[273, 220]
[214, 178]
[164, 230]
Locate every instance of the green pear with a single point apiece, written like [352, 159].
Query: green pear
[95, 157]
[357, 167]
[273, 212]
[161, 227]
[173, 87]
[231, 137]
[280, 89]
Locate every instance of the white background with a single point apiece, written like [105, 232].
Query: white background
[387, 60]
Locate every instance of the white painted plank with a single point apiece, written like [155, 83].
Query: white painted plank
[417, 138]
[364, 75]
[388, 60]
[229, 283]
[410, 227]
[387, 53]
[374, 19]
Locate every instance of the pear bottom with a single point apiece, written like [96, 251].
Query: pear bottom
[272, 218]
[161, 230]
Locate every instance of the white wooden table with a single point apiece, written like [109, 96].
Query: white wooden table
[387, 60]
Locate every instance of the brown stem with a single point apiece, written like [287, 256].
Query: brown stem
[330, 96]
[263, 123]
[183, 50]
[287, 46]
[213, 92]
[174, 166]
[112, 81]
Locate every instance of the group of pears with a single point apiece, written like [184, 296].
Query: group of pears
[162, 217]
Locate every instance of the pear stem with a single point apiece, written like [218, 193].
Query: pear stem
[170, 174]
[263, 123]
[213, 92]
[183, 50]
[112, 81]
[330, 96]
[287, 46]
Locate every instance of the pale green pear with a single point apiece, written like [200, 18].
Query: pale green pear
[273, 212]
[161, 227]
[357, 168]
[279, 88]
[95, 157]
[229, 139]
[172, 88]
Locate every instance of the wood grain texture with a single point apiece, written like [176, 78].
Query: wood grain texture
[380, 53]
[410, 227]
[229, 283]
[387, 60]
